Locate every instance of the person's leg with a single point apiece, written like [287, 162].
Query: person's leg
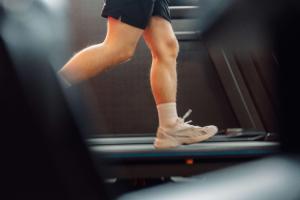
[172, 130]
[163, 44]
[164, 47]
[113, 50]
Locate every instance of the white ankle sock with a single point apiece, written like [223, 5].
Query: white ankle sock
[167, 114]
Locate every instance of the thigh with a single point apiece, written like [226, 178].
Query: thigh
[121, 35]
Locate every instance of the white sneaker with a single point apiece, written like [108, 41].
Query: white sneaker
[182, 133]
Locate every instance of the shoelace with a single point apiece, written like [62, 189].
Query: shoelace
[186, 115]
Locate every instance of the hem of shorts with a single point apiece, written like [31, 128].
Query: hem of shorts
[166, 18]
[118, 17]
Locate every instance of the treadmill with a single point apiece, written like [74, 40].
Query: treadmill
[133, 157]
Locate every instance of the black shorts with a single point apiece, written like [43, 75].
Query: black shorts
[136, 12]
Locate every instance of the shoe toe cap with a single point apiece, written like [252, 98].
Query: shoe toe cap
[212, 129]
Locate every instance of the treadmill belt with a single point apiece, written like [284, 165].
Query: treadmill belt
[149, 138]
[212, 149]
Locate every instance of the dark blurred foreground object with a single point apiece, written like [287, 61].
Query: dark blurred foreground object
[44, 154]
[287, 45]
[272, 178]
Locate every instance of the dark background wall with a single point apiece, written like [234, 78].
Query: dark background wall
[120, 100]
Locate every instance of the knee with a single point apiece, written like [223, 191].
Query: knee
[125, 53]
[121, 52]
[172, 47]
[168, 50]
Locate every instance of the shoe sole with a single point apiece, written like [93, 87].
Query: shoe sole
[166, 144]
